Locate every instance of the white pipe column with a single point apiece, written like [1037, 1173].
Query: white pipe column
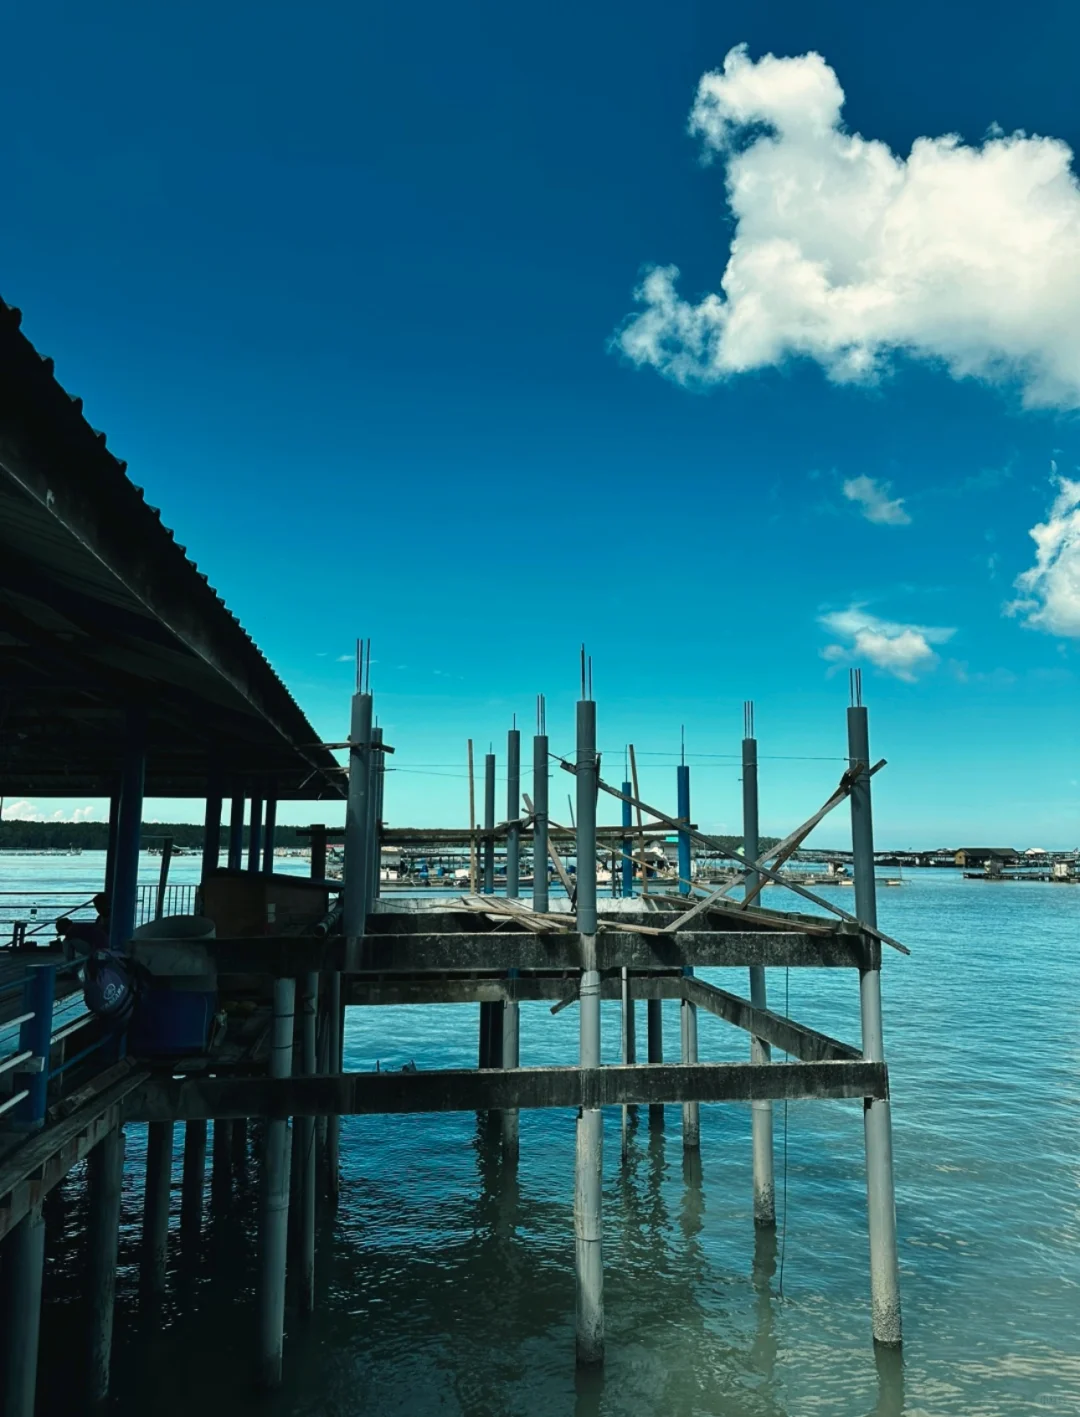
[274, 1211]
[877, 1116]
[589, 1160]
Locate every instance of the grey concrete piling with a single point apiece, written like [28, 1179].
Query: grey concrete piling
[691, 1111]
[654, 1024]
[105, 1175]
[490, 1014]
[589, 1158]
[191, 1190]
[540, 821]
[221, 1163]
[155, 1232]
[309, 1003]
[513, 813]
[760, 1052]
[23, 1271]
[511, 1034]
[334, 1021]
[629, 1048]
[358, 821]
[274, 1200]
[877, 1118]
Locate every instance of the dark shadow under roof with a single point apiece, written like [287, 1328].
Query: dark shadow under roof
[102, 612]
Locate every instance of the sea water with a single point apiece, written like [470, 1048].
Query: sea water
[445, 1281]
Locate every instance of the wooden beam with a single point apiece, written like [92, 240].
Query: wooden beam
[803, 1043]
[350, 1094]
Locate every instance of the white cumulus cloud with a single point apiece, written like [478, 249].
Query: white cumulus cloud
[847, 253]
[26, 811]
[1050, 591]
[902, 650]
[877, 506]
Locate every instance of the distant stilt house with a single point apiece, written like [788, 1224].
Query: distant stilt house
[988, 857]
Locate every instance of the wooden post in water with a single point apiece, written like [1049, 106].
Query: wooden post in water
[155, 1234]
[877, 1117]
[105, 1175]
[274, 1199]
[589, 1157]
[760, 1052]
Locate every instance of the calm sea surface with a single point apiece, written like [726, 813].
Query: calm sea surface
[446, 1283]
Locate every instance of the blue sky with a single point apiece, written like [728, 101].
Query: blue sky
[346, 289]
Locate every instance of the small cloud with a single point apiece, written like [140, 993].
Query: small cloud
[875, 502]
[901, 650]
[346, 659]
[1050, 590]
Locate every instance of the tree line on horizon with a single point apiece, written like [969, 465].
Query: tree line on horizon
[94, 836]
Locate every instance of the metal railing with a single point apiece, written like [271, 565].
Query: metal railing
[43, 1025]
[29, 917]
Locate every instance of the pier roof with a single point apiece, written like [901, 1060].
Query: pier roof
[102, 611]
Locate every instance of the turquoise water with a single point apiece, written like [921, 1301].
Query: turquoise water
[446, 1282]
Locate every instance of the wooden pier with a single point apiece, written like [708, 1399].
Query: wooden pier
[167, 695]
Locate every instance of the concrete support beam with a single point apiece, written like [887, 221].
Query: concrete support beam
[471, 1090]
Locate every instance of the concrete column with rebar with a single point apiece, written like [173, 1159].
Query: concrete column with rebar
[877, 1119]
[627, 844]
[760, 1052]
[589, 1158]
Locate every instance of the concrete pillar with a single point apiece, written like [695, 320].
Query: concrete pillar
[877, 1119]
[221, 1165]
[191, 1188]
[125, 892]
[691, 1122]
[110, 849]
[318, 852]
[589, 1156]
[378, 778]
[269, 828]
[105, 1176]
[691, 1111]
[654, 1021]
[155, 1235]
[274, 1207]
[335, 1025]
[761, 1112]
[309, 1003]
[254, 862]
[490, 1014]
[629, 1049]
[540, 822]
[513, 813]
[23, 1270]
[511, 1025]
[357, 822]
[236, 834]
[211, 852]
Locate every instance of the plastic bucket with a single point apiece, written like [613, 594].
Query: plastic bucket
[174, 1014]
